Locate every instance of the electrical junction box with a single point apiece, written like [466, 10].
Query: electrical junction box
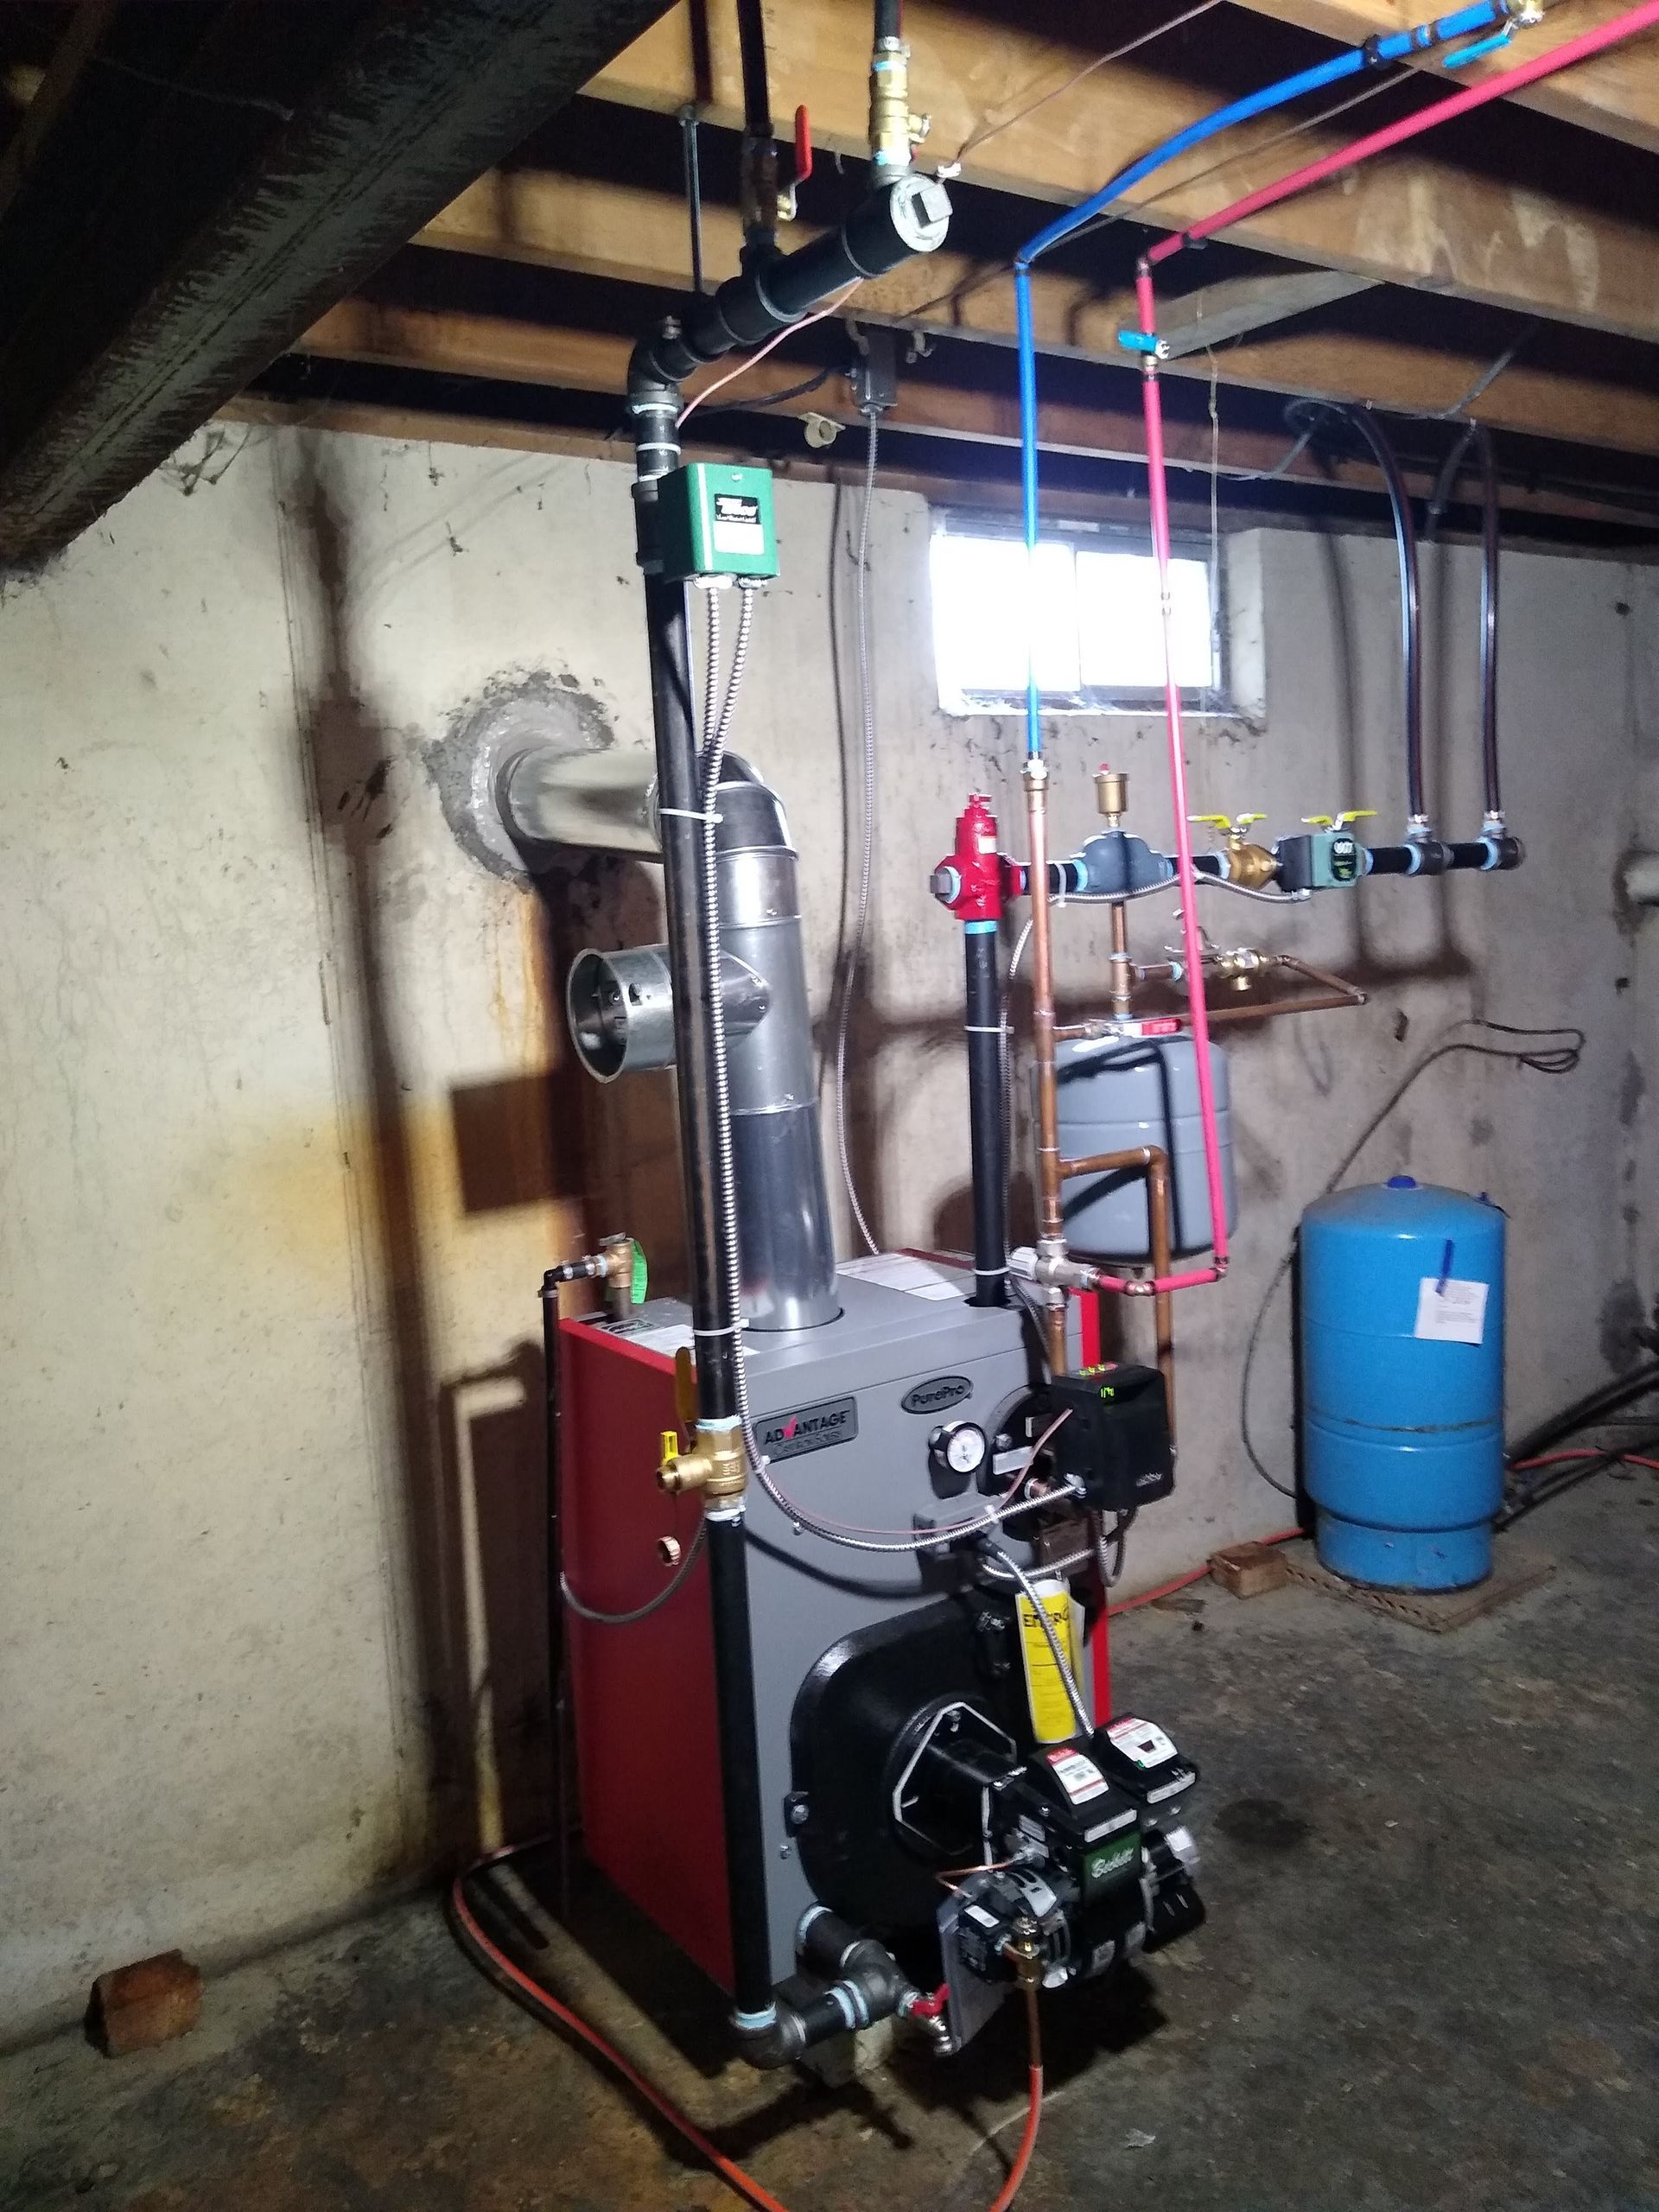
[715, 520]
[1326, 859]
[1115, 1439]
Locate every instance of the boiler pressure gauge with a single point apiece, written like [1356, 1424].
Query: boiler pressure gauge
[956, 1452]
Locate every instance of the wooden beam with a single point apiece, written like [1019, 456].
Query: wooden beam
[628, 234]
[1616, 94]
[501, 349]
[64, 70]
[1216, 314]
[1416, 218]
[417, 425]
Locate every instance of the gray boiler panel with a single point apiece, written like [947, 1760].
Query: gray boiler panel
[805, 1593]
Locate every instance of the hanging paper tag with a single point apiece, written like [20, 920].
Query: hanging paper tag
[1451, 1312]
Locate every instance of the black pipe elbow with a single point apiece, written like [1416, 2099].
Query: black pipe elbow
[865, 1984]
[829, 1945]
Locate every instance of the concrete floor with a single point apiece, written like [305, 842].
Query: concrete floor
[1428, 1980]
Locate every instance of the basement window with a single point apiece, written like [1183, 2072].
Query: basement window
[1090, 613]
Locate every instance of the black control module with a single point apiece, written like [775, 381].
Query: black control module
[1116, 1441]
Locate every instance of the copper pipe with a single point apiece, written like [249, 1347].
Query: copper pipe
[1325, 1001]
[1154, 1160]
[1122, 970]
[1319, 976]
[1051, 1229]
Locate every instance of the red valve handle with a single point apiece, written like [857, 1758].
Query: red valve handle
[803, 146]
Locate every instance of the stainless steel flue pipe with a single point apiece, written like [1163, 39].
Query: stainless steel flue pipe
[621, 1007]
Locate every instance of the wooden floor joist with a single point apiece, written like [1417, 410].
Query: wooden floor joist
[1616, 94]
[630, 234]
[1429, 217]
[498, 349]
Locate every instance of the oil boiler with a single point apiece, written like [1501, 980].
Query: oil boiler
[944, 1804]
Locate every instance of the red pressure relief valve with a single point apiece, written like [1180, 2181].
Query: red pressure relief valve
[969, 880]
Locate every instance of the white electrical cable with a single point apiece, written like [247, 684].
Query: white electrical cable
[862, 913]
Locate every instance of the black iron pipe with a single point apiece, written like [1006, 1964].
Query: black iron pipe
[1491, 546]
[713, 1300]
[556, 1704]
[727, 1541]
[1477, 435]
[752, 59]
[1423, 856]
[984, 1028]
[908, 216]
[1405, 539]
[886, 227]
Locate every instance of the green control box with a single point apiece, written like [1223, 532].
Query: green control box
[1323, 860]
[714, 520]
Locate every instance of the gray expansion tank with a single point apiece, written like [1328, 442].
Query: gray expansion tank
[1118, 1092]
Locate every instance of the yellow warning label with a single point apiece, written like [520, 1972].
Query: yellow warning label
[1052, 1719]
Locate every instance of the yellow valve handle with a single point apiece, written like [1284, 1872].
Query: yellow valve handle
[670, 1441]
[1339, 821]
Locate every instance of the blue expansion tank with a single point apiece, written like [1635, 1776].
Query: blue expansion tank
[1402, 1382]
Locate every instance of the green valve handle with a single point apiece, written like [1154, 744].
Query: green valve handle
[641, 1273]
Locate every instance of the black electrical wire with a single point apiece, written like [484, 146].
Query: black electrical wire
[1552, 1481]
[1583, 1413]
[1544, 1056]
[774, 398]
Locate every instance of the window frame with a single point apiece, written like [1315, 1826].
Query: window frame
[1213, 700]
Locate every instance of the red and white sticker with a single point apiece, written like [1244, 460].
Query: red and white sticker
[1142, 1741]
[1079, 1776]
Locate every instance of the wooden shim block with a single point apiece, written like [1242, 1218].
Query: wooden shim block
[1249, 1570]
[135, 2007]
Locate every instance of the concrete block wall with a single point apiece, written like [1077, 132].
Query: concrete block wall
[289, 1129]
